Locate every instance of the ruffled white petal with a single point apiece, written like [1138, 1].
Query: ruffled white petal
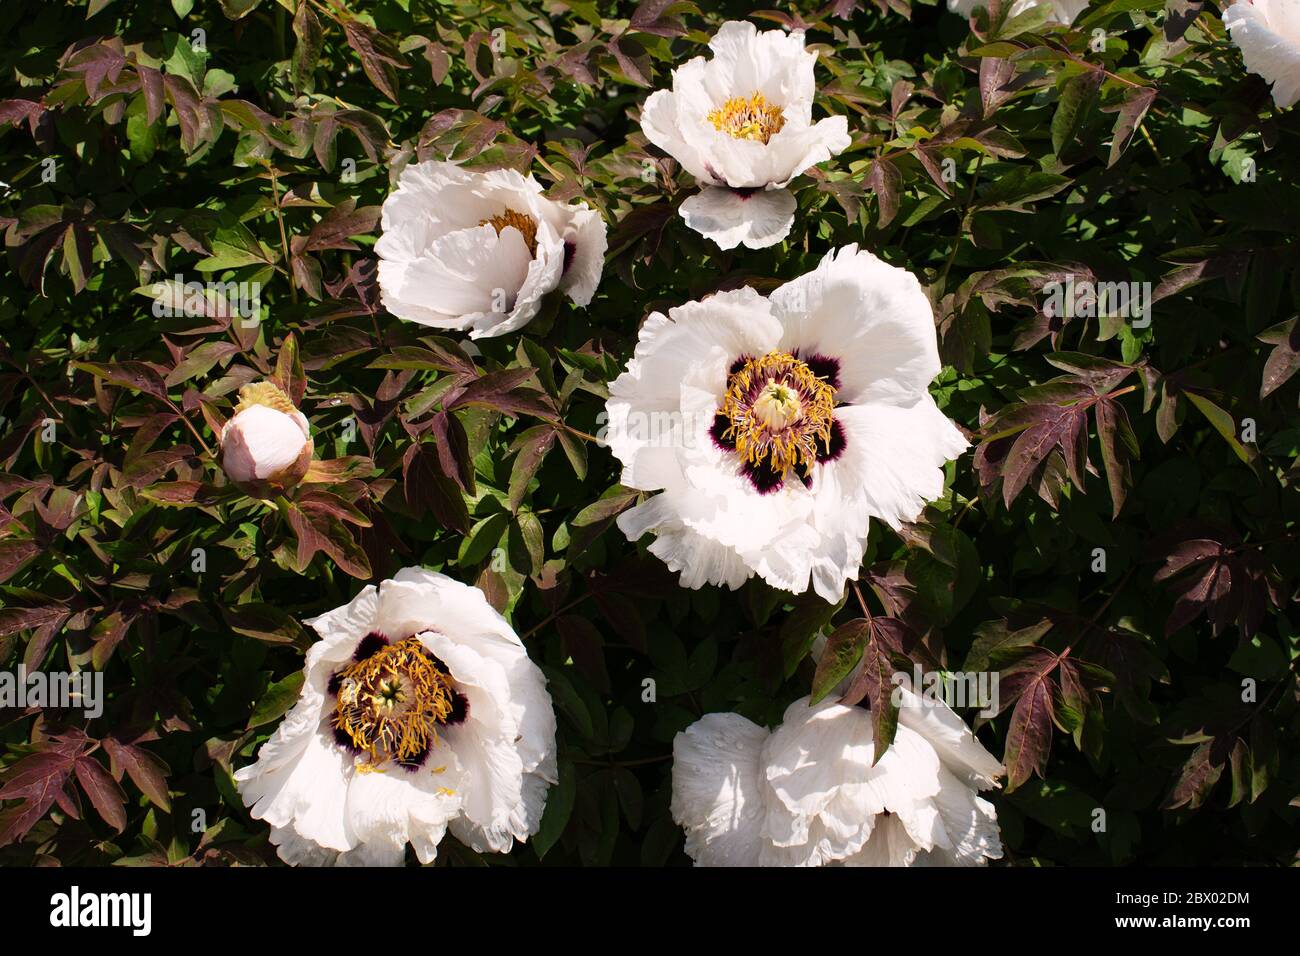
[896, 454]
[756, 218]
[716, 789]
[349, 623]
[957, 747]
[799, 147]
[1268, 35]
[872, 317]
[585, 244]
[771, 62]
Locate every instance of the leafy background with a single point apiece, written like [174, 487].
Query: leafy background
[261, 150]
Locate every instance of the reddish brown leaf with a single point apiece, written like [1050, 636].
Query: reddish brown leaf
[146, 771]
[105, 795]
[1029, 736]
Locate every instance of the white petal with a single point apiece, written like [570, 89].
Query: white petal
[351, 622]
[889, 845]
[309, 793]
[772, 62]
[758, 219]
[957, 747]
[378, 853]
[473, 273]
[797, 148]
[971, 823]
[543, 276]
[1268, 34]
[716, 789]
[897, 454]
[379, 803]
[660, 123]
[296, 850]
[485, 742]
[417, 599]
[814, 766]
[873, 318]
[586, 237]
[647, 425]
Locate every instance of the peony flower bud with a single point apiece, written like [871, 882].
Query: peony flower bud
[266, 447]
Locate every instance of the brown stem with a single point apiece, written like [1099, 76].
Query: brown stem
[284, 238]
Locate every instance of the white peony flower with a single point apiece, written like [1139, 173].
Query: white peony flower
[420, 712]
[1268, 33]
[477, 251]
[1062, 11]
[266, 446]
[807, 793]
[776, 427]
[741, 124]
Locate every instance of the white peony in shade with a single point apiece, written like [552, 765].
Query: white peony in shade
[1062, 11]
[775, 428]
[741, 124]
[420, 712]
[807, 794]
[477, 251]
[1268, 34]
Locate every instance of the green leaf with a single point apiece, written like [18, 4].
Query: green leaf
[559, 809]
[843, 651]
[1223, 423]
[277, 699]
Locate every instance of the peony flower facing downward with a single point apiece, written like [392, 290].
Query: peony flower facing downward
[741, 124]
[1268, 34]
[776, 428]
[420, 712]
[266, 446]
[807, 793]
[477, 251]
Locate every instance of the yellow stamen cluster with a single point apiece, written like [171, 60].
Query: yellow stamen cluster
[748, 118]
[391, 703]
[778, 411]
[526, 225]
[264, 393]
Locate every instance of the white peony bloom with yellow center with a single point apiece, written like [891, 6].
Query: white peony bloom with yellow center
[420, 713]
[741, 124]
[477, 251]
[807, 793]
[775, 428]
[1268, 34]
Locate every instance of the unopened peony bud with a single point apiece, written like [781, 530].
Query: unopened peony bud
[266, 447]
